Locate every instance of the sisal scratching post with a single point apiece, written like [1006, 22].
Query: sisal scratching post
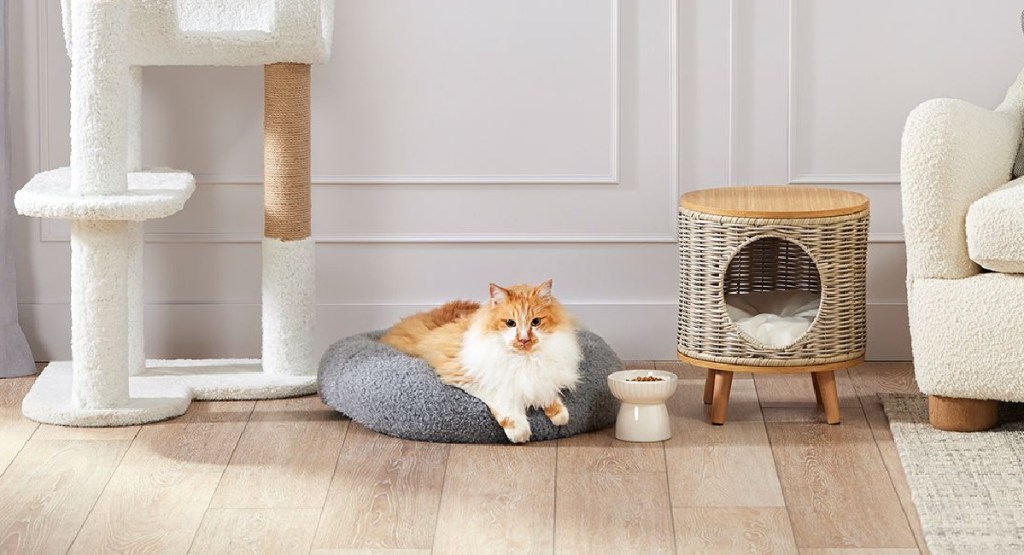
[288, 249]
[286, 204]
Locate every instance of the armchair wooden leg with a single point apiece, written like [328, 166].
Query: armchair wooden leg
[709, 387]
[720, 404]
[826, 382]
[962, 415]
[817, 390]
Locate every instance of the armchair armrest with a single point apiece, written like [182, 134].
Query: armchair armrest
[953, 153]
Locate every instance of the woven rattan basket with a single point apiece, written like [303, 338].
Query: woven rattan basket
[725, 254]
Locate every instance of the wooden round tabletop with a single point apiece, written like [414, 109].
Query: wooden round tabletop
[769, 201]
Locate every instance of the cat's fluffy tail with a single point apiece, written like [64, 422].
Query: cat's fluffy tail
[415, 335]
[450, 312]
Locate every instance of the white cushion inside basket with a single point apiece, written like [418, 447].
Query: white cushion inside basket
[773, 318]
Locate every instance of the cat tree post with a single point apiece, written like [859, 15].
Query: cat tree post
[136, 301]
[288, 249]
[99, 268]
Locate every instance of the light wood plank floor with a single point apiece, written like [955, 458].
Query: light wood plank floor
[292, 476]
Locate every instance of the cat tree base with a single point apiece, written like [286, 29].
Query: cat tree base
[163, 390]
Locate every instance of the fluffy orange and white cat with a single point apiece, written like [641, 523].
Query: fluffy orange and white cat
[517, 351]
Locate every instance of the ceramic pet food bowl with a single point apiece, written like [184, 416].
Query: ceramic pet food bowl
[643, 415]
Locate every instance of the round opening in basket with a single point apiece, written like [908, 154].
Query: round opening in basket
[772, 291]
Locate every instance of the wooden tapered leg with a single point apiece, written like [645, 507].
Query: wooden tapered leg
[720, 403]
[817, 390]
[826, 387]
[962, 415]
[709, 387]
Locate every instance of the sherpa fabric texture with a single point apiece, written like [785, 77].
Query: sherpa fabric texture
[99, 310]
[201, 32]
[995, 229]
[162, 390]
[966, 334]
[962, 322]
[954, 153]
[289, 306]
[154, 193]
[399, 395]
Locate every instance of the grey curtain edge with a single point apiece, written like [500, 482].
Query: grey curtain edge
[15, 356]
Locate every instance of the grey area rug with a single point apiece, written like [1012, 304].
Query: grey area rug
[968, 488]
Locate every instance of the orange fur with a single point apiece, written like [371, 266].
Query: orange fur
[436, 335]
[554, 408]
[523, 303]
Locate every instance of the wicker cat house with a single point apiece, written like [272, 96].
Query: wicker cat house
[738, 244]
[747, 240]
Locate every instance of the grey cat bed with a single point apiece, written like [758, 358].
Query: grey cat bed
[400, 396]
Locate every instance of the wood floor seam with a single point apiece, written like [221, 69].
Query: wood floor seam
[18, 452]
[775, 461]
[337, 465]
[110, 476]
[672, 510]
[209, 502]
[440, 498]
[231, 457]
[892, 483]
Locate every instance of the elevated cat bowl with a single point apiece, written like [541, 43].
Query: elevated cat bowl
[643, 416]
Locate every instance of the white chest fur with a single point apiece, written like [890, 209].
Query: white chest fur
[510, 379]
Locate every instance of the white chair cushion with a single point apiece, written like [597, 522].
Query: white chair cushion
[995, 229]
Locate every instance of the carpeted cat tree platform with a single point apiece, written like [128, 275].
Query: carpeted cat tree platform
[106, 195]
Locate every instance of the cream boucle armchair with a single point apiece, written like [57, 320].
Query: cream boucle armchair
[964, 224]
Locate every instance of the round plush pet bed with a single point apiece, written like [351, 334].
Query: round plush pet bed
[399, 395]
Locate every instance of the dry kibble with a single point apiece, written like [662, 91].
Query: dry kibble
[646, 379]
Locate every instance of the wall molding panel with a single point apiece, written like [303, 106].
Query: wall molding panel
[506, 142]
[645, 219]
[845, 179]
[834, 92]
[47, 34]
[795, 176]
[58, 233]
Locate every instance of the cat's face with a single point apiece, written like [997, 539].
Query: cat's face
[524, 315]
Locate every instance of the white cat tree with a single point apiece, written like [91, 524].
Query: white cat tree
[107, 195]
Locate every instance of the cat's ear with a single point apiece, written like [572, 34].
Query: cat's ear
[544, 290]
[498, 295]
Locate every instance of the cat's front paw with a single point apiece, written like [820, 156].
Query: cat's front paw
[557, 413]
[560, 418]
[517, 431]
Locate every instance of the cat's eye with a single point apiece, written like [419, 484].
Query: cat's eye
[510, 323]
[535, 322]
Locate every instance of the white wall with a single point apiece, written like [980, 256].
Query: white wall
[458, 142]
